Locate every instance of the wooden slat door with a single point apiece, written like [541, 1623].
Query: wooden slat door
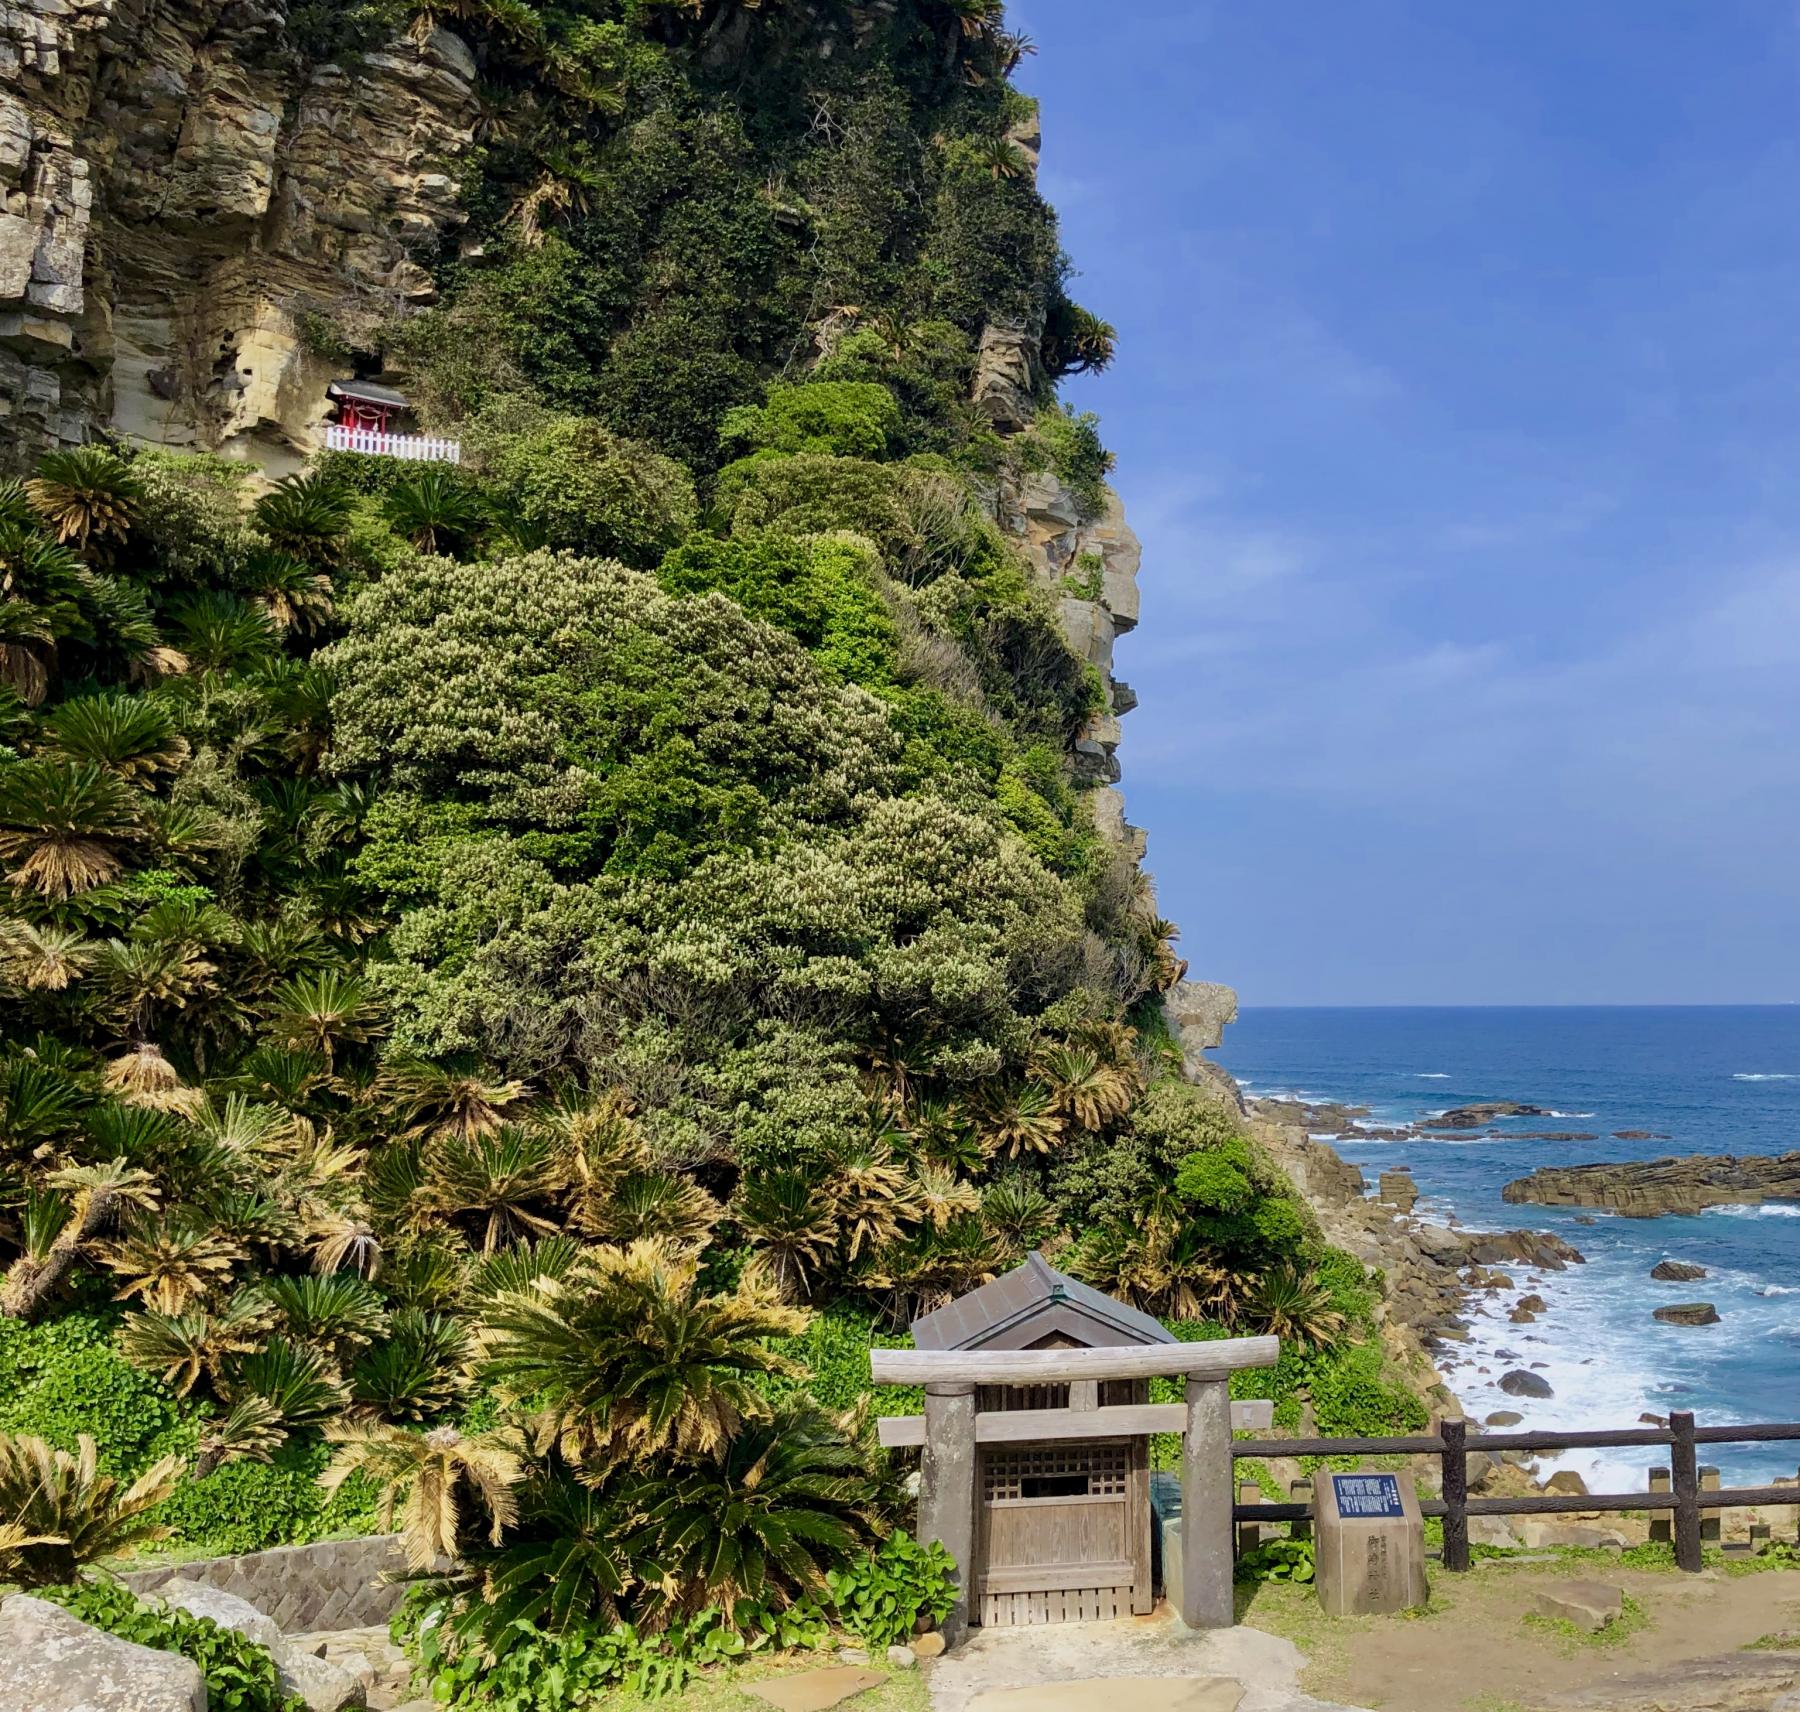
[1056, 1540]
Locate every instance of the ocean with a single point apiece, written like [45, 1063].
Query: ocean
[1713, 1079]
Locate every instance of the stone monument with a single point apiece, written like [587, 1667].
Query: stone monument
[1371, 1544]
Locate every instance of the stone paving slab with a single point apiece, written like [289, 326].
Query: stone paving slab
[1117, 1694]
[1264, 1669]
[815, 1690]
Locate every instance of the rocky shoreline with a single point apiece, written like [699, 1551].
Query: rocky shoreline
[1649, 1189]
[1434, 1272]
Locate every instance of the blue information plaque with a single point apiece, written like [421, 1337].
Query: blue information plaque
[1367, 1496]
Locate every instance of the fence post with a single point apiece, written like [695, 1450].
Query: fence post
[1249, 1534]
[1712, 1522]
[1455, 1484]
[1300, 1492]
[1662, 1526]
[1686, 1479]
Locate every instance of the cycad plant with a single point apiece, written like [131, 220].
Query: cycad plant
[306, 518]
[437, 511]
[65, 826]
[631, 1360]
[1294, 1306]
[133, 736]
[764, 1516]
[321, 1012]
[499, 1186]
[173, 1263]
[417, 1370]
[67, 1513]
[791, 1223]
[86, 495]
[421, 1479]
[1019, 1117]
[96, 1196]
[661, 1204]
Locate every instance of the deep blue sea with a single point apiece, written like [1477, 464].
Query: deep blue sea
[1714, 1079]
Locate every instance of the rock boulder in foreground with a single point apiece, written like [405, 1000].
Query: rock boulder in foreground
[53, 1662]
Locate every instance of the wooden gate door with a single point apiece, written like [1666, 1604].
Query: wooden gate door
[1057, 1540]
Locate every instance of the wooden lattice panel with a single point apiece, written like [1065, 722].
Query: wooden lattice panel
[1071, 1605]
[1050, 1472]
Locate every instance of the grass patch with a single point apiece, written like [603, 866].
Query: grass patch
[724, 1691]
[1786, 1641]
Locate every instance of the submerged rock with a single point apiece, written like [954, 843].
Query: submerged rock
[1519, 1383]
[1688, 1314]
[1677, 1271]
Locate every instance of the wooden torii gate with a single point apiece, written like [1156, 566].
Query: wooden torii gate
[953, 1427]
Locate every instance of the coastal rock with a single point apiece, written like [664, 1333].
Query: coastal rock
[1522, 1316]
[1647, 1189]
[1688, 1314]
[1677, 1272]
[1567, 1482]
[1541, 1250]
[50, 1661]
[1519, 1383]
[1639, 1135]
[1503, 1418]
[1397, 1189]
[1533, 1304]
[1482, 1113]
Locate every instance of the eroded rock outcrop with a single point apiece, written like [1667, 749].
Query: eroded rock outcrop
[186, 195]
[1646, 1189]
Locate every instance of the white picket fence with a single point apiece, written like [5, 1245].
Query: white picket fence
[420, 447]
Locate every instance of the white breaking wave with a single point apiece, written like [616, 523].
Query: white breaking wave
[1765, 1076]
[1766, 1210]
[1779, 1290]
[1432, 1075]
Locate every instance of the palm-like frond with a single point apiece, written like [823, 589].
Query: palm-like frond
[1293, 1306]
[417, 1370]
[631, 1360]
[660, 1204]
[1019, 1118]
[871, 1196]
[777, 1504]
[299, 1384]
[306, 518]
[65, 825]
[335, 1312]
[790, 1221]
[133, 736]
[171, 1264]
[501, 1183]
[86, 495]
[68, 1511]
[40, 957]
[420, 1477]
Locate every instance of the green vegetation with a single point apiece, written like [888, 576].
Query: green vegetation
[516, 976]
[239, 1674]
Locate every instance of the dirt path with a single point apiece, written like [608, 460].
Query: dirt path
[1473, 1651]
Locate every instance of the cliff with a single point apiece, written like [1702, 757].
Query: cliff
[188, 193]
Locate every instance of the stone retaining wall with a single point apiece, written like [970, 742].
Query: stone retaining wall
[336, 1584]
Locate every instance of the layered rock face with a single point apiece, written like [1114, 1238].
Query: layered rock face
[185, 194]
[1646, 1189]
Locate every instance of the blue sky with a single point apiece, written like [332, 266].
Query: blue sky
[1458, 407]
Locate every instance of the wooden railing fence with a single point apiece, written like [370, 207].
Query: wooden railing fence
[1687, 1496]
